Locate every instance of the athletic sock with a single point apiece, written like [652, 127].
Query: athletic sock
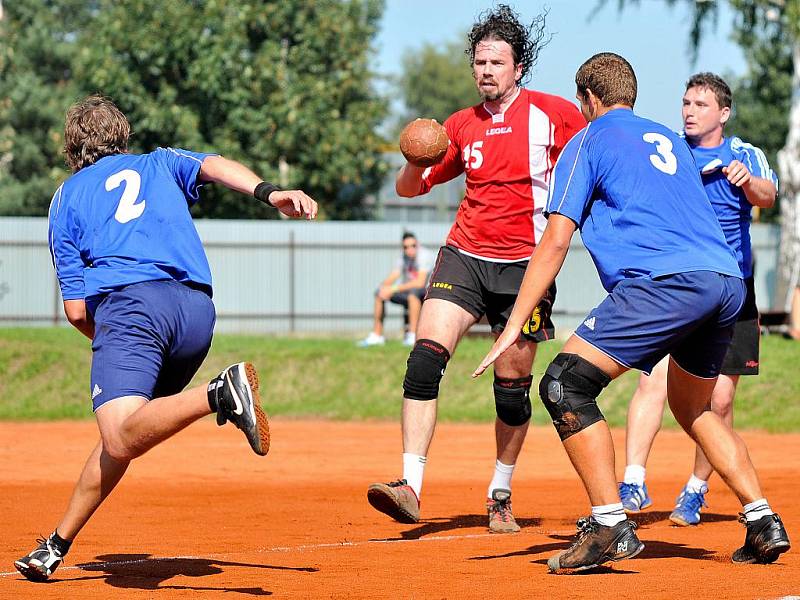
[211, 394]
[634, 474]
[413, 470]
[757, 509]
[501, 479]
[60, 543]
[609, 514]
[696, 485]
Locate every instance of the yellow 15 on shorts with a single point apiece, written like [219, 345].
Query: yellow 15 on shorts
[534, 323]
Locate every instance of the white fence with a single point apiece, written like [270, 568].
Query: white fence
[284, 277]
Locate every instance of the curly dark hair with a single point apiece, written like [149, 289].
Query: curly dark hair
[502, 23]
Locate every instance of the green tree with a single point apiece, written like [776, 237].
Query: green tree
[37, 47]
[437, 81]
[762, 96]
[282, 85]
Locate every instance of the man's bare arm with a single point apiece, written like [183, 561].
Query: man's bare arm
[79, 317]
[408, 179]
[759, 191]
[546, 262]
[235, 176]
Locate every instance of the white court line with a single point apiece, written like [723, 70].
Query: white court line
[434, 538]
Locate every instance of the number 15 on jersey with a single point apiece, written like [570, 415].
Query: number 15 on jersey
[473, 157]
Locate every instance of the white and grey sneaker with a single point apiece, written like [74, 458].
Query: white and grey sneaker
[235, 394]
[373, 339]
[40, 564]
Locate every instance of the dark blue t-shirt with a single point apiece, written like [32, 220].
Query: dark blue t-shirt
[633, 189]
[729, 202]
[125, 219]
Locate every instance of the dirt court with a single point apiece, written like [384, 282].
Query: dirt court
[200, 516]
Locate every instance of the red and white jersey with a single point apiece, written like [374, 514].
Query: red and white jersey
[508, 159]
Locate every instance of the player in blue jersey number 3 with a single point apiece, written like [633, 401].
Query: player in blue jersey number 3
[136, 281]
[674, 287]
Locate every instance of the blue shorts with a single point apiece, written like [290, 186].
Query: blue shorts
[688, 315]
[150, 338]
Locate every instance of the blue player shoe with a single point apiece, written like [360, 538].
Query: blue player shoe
[634, 497]
[687, 507]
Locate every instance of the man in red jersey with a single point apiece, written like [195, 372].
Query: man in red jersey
[507, 146]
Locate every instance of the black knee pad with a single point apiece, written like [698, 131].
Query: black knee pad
[512, 400]
[569, 391]
[424, 371]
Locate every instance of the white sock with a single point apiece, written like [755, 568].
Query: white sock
[413, 470]
[696, 485]
[609, 514]
[634, 474]
[501, 479]
[757, 509]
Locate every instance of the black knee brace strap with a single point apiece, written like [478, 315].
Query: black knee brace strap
[512, 400]
[569, 391]
[424, 371]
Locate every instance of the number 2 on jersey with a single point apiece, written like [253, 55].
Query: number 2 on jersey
[664, 160]
[127, 209]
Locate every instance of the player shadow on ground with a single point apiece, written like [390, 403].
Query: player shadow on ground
[653, 549]
[143, 572]
[644, 519]
[551, 549]
[434, 526]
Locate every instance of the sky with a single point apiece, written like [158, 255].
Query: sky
[653, 37]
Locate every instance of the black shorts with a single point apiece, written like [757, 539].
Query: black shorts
[742, 357]
[482, 287]
[401, 298]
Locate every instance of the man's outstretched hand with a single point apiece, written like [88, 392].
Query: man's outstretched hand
[507, 339]
[294, 204]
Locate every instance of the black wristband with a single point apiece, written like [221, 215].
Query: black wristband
[263, 190]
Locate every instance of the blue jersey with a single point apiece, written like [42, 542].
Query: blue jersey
[729, 202]
[633, 189]
[125, 219]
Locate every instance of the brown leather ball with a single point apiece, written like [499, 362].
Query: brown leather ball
[423, 142]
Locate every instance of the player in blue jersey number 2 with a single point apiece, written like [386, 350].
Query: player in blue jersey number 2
[674, 287]
[136, 281]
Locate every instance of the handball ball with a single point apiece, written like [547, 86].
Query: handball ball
[423, 142]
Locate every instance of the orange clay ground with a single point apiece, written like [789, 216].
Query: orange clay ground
[202, 517]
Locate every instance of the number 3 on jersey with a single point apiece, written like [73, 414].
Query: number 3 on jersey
[473, 157]
[664, 160]
[127, 209]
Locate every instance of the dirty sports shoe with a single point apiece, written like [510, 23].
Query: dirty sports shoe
[41, 562]
[765, 540]
[634, 497]
[396, 499]
[687, 507]
[596, 544]
[235, 394]
[501, 519]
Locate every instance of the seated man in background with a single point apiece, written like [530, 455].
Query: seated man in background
[405, 286]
